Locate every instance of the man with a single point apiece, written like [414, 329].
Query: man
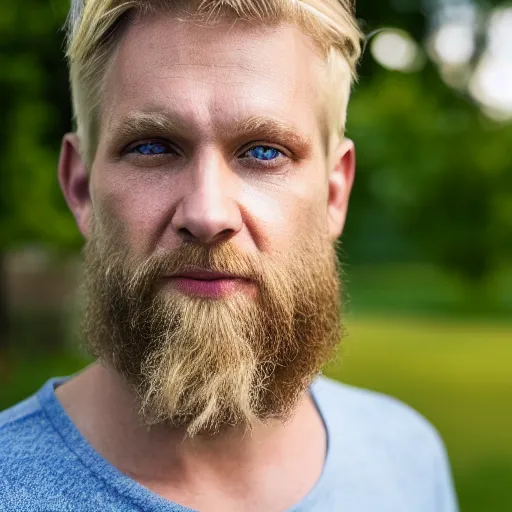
[210, 178]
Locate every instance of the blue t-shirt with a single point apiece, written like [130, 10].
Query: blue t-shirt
[382, 456]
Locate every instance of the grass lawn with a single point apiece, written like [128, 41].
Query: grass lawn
[458, 373]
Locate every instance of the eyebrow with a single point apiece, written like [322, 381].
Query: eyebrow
[274, 129]
[151, 123]
[136, 124]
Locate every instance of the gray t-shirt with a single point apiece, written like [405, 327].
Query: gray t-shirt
[382, 456]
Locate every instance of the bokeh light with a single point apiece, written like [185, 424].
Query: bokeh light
[396, 50]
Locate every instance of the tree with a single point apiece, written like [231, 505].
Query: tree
[433, 170]
[442, 175]
[35, 112]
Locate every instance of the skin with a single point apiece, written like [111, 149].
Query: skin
[205, 84]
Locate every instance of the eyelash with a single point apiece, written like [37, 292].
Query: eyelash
[260, 162]
[132, 149]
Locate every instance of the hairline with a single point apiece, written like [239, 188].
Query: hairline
[135, 13]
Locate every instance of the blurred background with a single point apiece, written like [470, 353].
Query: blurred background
[427, 250]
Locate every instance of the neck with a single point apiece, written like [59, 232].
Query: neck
[102, 406]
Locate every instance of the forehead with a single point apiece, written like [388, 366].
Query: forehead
[210, 76]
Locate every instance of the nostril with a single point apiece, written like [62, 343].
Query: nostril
[223, 235]
[186, 234]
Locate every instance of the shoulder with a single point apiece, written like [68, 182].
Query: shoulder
[21, 429]
[372, 412]
[20, 422]
[25, 427]
[28, 440]
[373, 425]
[385, 446]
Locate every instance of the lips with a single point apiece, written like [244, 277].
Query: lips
[206, 284]
[205, 275]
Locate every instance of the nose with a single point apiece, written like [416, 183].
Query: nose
[208, 213]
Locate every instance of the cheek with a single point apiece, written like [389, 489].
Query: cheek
[276, 210]
[285, 210]
[134, 203]
[266, 212]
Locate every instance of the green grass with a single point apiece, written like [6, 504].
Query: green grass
[457, 373]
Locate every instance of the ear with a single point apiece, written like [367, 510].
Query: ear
[340, 180]
[74, 182]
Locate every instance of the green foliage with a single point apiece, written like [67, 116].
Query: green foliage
[35, 113]
[438, 169]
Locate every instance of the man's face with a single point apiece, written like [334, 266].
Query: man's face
[214, 138]
[229, 93]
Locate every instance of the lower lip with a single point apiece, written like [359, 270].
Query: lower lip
[212, 289]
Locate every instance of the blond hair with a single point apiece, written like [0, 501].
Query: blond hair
[95, 26]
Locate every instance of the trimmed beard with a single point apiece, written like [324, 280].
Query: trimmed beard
[206, 364]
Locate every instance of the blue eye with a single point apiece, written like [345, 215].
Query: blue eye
[150, 148]
[263, 153]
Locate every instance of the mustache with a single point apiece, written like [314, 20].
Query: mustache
[224, 258]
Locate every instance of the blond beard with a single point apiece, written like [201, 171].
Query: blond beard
[206, 364]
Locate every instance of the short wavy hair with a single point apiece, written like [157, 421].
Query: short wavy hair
[95, 27]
